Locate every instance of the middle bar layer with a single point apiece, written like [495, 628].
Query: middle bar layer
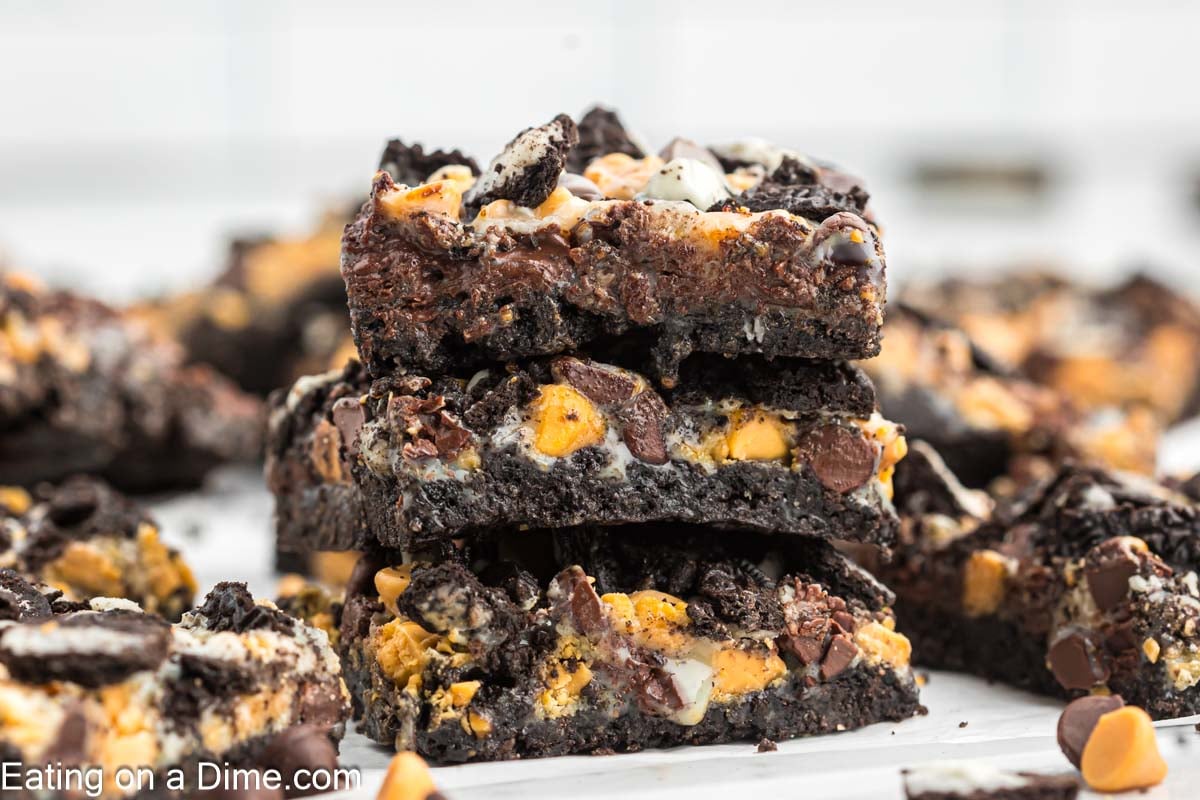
[790, 447]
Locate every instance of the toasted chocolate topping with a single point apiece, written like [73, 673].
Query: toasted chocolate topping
[600, 133]
[842, 458]
[528, 169]
[20, 601]
[1077, 721]
[600, 384]
[412, 166]
[230, 607]
[1076, 660]
[642, 427]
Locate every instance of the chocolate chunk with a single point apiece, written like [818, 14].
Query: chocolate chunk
[528, 169]
[844, 620]
[1108, 569]
[839, 655]
[580, 186]
[601, 133]
[601, 385]
[841, 457]
[348, 416]
[89, 649]
[642, 427]
[412, 166]
[806, 648]
[302, 748]
[1079, 719]
[578, 601]
[686, 148]
[20, 601]
[654, 687]
[1076, 661]
[230, 607]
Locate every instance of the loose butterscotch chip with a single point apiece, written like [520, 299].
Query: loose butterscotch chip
[407, 778]
[565, 421]
[1122, 752]
[390, 583]
[984, 578]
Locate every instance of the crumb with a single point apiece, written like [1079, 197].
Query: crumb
[962, 724]
[603, 751]
[767, 746]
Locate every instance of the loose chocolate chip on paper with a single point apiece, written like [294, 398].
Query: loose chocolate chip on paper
[302, 748]
[1077, 721]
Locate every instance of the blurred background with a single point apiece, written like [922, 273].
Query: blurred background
[139, 136]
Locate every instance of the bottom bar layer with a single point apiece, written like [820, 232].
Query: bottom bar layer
[651, 637]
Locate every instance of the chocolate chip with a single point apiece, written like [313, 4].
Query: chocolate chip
[576, 598]
[20, 601]
[580, 186]
[1108, 570]
[527, 171]
[642, 427]
[602, 385]
[806, 648]
[302, 748]
[686, 148]
[841, 457]
[851, 254]
[1079, 719]
[839, 655]
[654, 688]
[348, 416]
[600, 133]
[844, 620]
[1076, 661]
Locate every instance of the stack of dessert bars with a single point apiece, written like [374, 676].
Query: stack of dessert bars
[599, 447]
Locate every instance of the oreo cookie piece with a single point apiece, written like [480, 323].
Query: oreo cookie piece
[527, 171]
[411, 165]
[601, 133]
[88, 649]
[20, 601]
[231, 607]
[811, 201]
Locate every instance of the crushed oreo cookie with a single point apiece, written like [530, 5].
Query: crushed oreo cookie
[412, 166]
[89, 649]
[600, 133]
[230, 607]
[527, 171]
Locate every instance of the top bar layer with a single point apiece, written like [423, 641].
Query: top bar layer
[760, 251]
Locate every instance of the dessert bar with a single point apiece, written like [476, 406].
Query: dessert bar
[988, 421]
[595, 640]
[725, 250]
[1085, 583]
[788, 446]
[276, 312]
[85, 540]
[105, 685]
[84, 389]
[1136, 343]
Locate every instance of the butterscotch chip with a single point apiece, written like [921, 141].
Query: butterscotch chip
[985, 576]
[1122, 752]
[565, 421]
[407, 778]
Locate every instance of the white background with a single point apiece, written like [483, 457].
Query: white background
[134, 136]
